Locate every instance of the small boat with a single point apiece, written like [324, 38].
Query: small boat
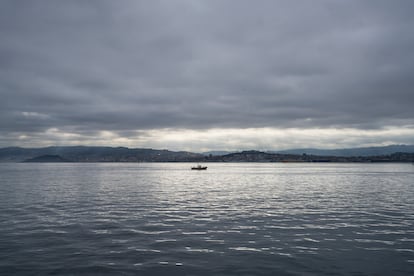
[199, 167]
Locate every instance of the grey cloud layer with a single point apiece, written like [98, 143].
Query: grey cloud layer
[130, 65]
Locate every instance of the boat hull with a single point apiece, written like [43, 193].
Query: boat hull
[199, 168]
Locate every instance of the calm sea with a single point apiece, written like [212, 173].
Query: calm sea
[233, 219]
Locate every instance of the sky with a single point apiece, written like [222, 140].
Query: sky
[203, 75]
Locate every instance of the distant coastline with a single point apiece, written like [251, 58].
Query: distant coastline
[123, 154]
[47, 159]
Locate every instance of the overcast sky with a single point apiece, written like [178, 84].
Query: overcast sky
[203, 75]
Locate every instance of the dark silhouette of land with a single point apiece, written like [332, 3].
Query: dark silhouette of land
[47, 159]
[122, 154]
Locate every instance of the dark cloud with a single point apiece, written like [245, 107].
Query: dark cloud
[135, 65]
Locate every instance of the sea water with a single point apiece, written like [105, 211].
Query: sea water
[232, 219]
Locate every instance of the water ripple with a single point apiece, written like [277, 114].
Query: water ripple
[163, 219]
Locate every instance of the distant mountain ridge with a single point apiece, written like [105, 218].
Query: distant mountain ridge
[259, 156]
[362, 151]
[47, 159]
[96, 154]
[393, 153]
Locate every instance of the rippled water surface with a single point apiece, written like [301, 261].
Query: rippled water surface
[233, 219]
